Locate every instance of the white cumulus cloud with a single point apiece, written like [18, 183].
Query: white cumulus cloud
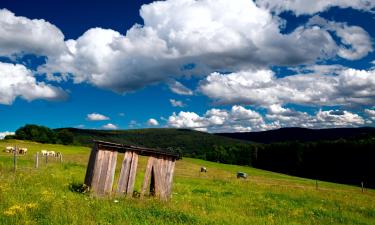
[176, 103]
[18, 81]
[346, 87]
[5, 133]
[152, 122]
[110, 126]
[96, 117]
[20, 35]
[301, 7]
[240, 119]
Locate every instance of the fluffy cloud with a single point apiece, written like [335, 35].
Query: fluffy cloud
[96, 117]
[206, 35]
[20, 35]
[355, 42]
[348, 87]
[3, 134]
[240, 119]
[370, 113]
[322, 119]
[178, 88]
[300, 7]
[176, 103]
[110, 126]
[152, 122]
[16, 80]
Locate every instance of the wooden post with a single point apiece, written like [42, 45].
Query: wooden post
[15, 158]
[91, 166]
[362, 186]
[37, 160]
[47, 158]
[60, 156]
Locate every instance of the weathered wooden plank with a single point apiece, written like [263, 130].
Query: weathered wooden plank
[103, 172]
[157, 176]
[163, 180]
[170, 180]
[124, 174]
[91, 165]
[97, 171]
[110, 172]
[132, 174]
[146, 181]
[167, 177]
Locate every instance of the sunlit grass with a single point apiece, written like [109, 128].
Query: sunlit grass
[44, 196]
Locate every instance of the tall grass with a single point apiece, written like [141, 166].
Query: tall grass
[45, 195]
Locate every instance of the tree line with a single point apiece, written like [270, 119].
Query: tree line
[43, 134]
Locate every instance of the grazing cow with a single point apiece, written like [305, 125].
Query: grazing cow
[58, 154]
[242, 175]
[9, 149]
[22, 151]
[51, 153]
[203, 169]
[44, 152]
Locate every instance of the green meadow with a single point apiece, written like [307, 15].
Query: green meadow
[48, 195]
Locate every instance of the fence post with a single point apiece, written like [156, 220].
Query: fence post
[15, 158]
[60, 158]
[362, 186]
[37, 160]
[46, 158]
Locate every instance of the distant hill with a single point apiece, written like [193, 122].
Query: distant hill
[302, 134]
[190, 142]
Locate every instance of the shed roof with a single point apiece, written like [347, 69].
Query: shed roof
[140, 150]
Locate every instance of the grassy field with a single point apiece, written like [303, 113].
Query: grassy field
[45, 195]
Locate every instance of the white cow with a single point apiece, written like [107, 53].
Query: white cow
[52, 153]
[44, 152]
[22, 151]
[9, 149]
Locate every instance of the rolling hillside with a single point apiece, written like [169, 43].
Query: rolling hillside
[190, 142]
[302, 134]
[47, 195]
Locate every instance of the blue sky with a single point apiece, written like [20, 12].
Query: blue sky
[216, 66]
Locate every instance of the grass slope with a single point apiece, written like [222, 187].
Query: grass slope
[43, 196]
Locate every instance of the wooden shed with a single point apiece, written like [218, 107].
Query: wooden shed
[158, 177]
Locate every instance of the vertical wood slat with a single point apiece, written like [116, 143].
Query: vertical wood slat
[132, 174]
[103, 172]
[157, 175]
[124, 174]
[162, 177]
[170, 180]
[110, 172]
[167, 177]
[97, 171]
[91, 165]
[146, 181]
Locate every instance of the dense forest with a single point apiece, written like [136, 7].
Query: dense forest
[344, 156]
